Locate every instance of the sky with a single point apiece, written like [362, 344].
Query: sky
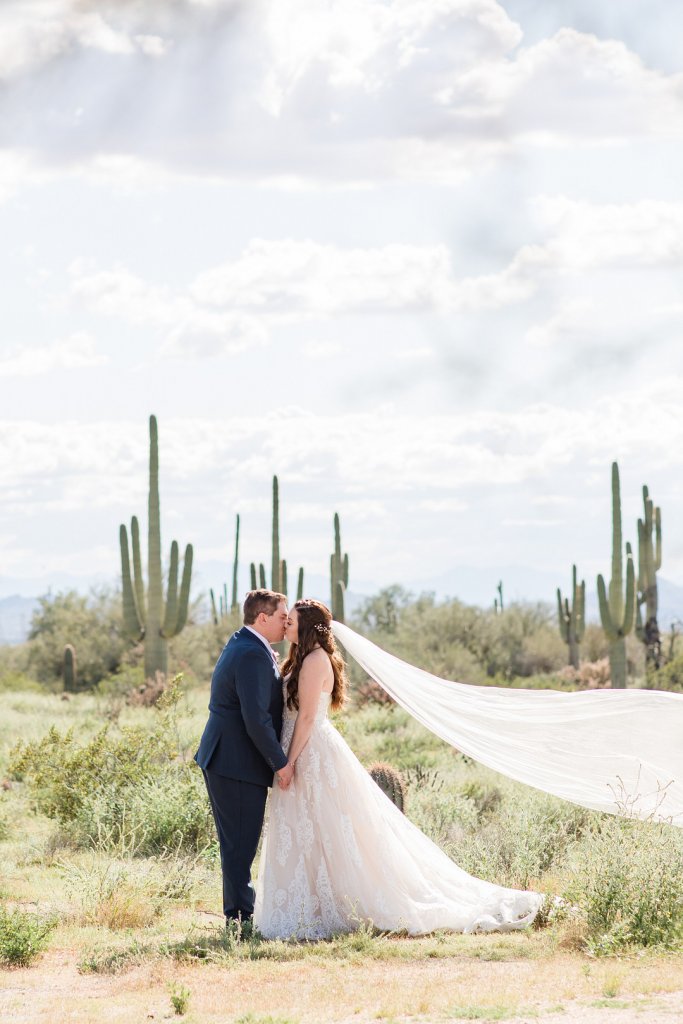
[420, 258]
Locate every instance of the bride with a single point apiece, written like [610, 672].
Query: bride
[337, 852]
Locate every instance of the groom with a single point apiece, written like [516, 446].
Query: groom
[240, 748]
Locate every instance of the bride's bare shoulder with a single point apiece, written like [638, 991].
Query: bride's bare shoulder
[316, 657]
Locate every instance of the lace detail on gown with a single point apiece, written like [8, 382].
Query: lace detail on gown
[337, 853]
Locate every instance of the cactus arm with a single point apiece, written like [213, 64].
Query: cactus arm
[300, 585]
[252, 572]
[605, 614]
[283, 577]
[339, 610]
[138, 580]
[658, 539]
[561, 616]
[627, 624]
[214, 612]
[131, 622]
[236, 566]
[262, 576]
[642, 566]
[184, 599]
[226, 606]
[581, 612]
[345, 571]
[171, 616]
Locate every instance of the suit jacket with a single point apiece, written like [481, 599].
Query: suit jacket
[241, 737]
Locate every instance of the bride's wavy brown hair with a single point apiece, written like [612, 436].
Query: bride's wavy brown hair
[313, 620]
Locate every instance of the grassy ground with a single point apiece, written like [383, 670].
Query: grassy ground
[133, 935]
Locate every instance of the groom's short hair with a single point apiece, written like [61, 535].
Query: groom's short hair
[258, 601]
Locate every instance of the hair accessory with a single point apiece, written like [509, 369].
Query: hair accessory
[321, 628]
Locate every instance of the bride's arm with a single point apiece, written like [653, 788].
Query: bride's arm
[311, 679]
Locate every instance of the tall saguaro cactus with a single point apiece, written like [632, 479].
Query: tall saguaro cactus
[618, 607]
[147, 616]
[276, 567]
[339, 574]
[234, 604]
[649, 563]
[572, 618]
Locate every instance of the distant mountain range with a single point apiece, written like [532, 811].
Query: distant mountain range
[468, 583]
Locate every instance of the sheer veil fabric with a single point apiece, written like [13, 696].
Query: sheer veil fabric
[619, 751]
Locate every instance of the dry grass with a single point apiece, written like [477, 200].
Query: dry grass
[335, 991]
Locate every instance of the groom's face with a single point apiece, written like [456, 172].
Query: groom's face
[273, 626]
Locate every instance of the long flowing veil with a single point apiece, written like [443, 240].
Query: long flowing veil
[619, 751]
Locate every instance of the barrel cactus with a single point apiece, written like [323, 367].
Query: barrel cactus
[390, 781]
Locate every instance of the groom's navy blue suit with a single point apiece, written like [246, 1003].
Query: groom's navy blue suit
[238, 753]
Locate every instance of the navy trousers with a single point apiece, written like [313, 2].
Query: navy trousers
[238, 810]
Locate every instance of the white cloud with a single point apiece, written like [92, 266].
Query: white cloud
[78, 350]
[570, 87]
[187, 329]
[347, 91]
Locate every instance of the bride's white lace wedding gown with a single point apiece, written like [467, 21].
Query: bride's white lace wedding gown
[337, 853]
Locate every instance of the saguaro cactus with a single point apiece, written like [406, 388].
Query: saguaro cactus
[339, 574]
[649, 563]
[276, 567]
[70, 683]
[223, 610]
[617, 609]
[572, 618]
[147, 616]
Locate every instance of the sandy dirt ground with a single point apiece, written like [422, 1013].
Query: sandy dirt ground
[555, 992]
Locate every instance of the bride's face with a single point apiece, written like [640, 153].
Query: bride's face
[292, 629]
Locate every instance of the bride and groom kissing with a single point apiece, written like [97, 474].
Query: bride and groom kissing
[337, 854]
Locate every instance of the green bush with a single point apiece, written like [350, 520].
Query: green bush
[22, 936]
[63, 775]
[668, 677]
[464, 642]
[627, 882]
[93, 624]
[127, 789]
[525, 838]
[167, 811]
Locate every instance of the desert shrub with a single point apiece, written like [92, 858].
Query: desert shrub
[595, 644]
[93, 624]
[668, 677]
[126, 789]
[22, 936]
[62, 774]
[131, 895]
[166, 811]
[115, 959]
[464, 642]
[627, 882]
[590, 675]
[526, 837]
[443, 815]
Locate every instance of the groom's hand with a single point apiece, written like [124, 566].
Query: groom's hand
[284, 776]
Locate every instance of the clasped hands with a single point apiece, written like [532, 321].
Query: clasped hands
[285, 775]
